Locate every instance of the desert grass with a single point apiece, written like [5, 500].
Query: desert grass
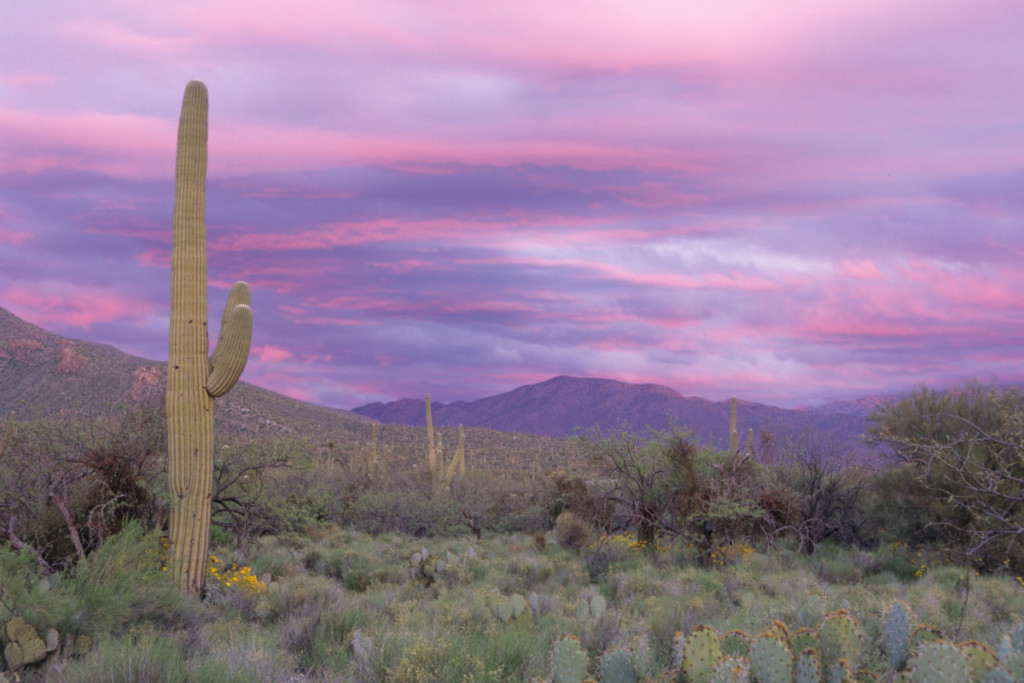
[342, 605]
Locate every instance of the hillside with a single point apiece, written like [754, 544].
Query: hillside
[44, 375]
[564, 406]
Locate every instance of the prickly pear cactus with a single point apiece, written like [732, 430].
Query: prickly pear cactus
[839, 638]
[731, 670]
[1017, 638]
[808, 667]
[896, 627]
[1014, 664]
[736, 644]
[582, 609]
[702, 650]
[840, 672]
[804, 638]
[503, 610]
[518, 603]
[980, 659]
[616, 667]
[922, 635]
[771, 660]
[779, 630]
[939, 661]
[640, 655]
[568, 661]
[1000, 675]
[598, 605]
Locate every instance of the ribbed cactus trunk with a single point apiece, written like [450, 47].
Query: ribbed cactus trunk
[194, 380]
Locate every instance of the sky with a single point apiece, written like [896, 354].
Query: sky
[790, 202]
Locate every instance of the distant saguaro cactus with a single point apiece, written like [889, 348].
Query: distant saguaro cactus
[434, 459]
[193, 379]
[734, 436]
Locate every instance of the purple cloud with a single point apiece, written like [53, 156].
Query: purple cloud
[779, 204]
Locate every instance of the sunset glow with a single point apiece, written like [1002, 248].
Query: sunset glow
[788, 202]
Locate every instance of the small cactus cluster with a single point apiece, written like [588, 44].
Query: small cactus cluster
[569, 662]
[922, 654]
[828, 654]
[775, 655]
[594, 607]
[23, 645]
[426, 568]
[511, 608]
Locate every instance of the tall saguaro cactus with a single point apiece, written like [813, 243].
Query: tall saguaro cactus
[193, 379]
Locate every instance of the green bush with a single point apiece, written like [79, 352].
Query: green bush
[572, 532]
[408, 513]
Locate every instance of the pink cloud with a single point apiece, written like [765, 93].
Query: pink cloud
[27, 79]
[83, 307]
[124, 146]
[860, 269]
[272, 354]
[13, 237]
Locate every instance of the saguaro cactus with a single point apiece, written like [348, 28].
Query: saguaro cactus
[434, 458]
[734, 436]
[193, 379]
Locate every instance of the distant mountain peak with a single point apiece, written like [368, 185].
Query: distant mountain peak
[566, 405]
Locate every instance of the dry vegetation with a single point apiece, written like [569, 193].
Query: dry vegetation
[314, 576]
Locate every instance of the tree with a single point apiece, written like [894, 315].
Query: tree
[827, 490]
[965, 447]
[648, 480]
[667, 484]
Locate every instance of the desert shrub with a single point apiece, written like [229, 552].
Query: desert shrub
[124, 581]
[503, 504]
[119, 584]
[964, 449]
[148, 656]
[408, 512]
[819, 496]
[572, 532]
[65, 486]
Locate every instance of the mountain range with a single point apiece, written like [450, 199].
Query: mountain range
[45, 375]
[567, 406]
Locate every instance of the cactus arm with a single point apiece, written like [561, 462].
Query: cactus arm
[238, 296]
[231, 353]
[457, 463]
[232, 350]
